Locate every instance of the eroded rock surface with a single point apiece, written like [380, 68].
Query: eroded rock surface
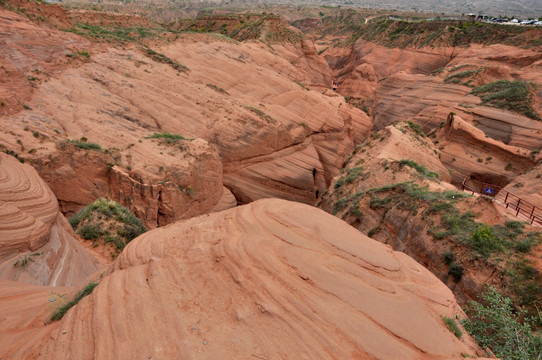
[273, 279]
[37, 244]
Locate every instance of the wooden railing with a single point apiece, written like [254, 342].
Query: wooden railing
[520, 207]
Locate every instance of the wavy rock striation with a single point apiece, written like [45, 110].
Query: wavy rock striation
[272, 279]
[36, 243]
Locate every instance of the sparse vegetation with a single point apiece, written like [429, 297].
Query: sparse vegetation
[448, 257]
[166, 60]
[452, 326]
[243, 27]
[62, 310]
[302, 86]
[83, 144]
[460, 75]
[358, 103]
[353, 174]
[456, 271]
[167, 137]
[217, 89]
[77, 54]
[260, 113]
[339, 183]
[117, 34]
[22, 262]
[108, 222]
[84, 53]
[418, 33]
[417, 128]
[493, 244]
[421, 169]
[485, 240]
[90, 231]
[455, 77]
[14, 154]
[516, 96]
[373, 231]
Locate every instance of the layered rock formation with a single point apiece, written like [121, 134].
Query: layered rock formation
[259, 134]
[37, 244]
[469, 153]
[271, 279]
[425, 85]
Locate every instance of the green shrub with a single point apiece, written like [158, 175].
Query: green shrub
[448, 257]
[417, 128]
[339, 183]
[167, 137]
[377, 202]
[440, 206]
[83, 144]
[353, 174]
[373, 231]
[88, 146]
[460, 75]
[355, 210]
[456, 271]
[495, 324]
[103, 217]
[452, 326]
[84, 54]
[61, 311]
[339, 205]
[131, 231]
[525, 245]
[516, 225]
[484, 241]
[90, 232]
[421, 169]
[525, 283]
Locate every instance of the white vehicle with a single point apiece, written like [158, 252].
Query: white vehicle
[514, 21]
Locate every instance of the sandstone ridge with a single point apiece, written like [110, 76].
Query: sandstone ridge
[270, 279]
[37, 244]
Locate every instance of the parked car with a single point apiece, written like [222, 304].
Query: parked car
[514, 21]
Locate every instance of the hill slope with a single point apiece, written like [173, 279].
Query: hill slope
[271, 279]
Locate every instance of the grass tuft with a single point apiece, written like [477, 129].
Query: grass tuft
[61, 311]
[421, 169]
[452, 326]
[260, 113]
[156, 56]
